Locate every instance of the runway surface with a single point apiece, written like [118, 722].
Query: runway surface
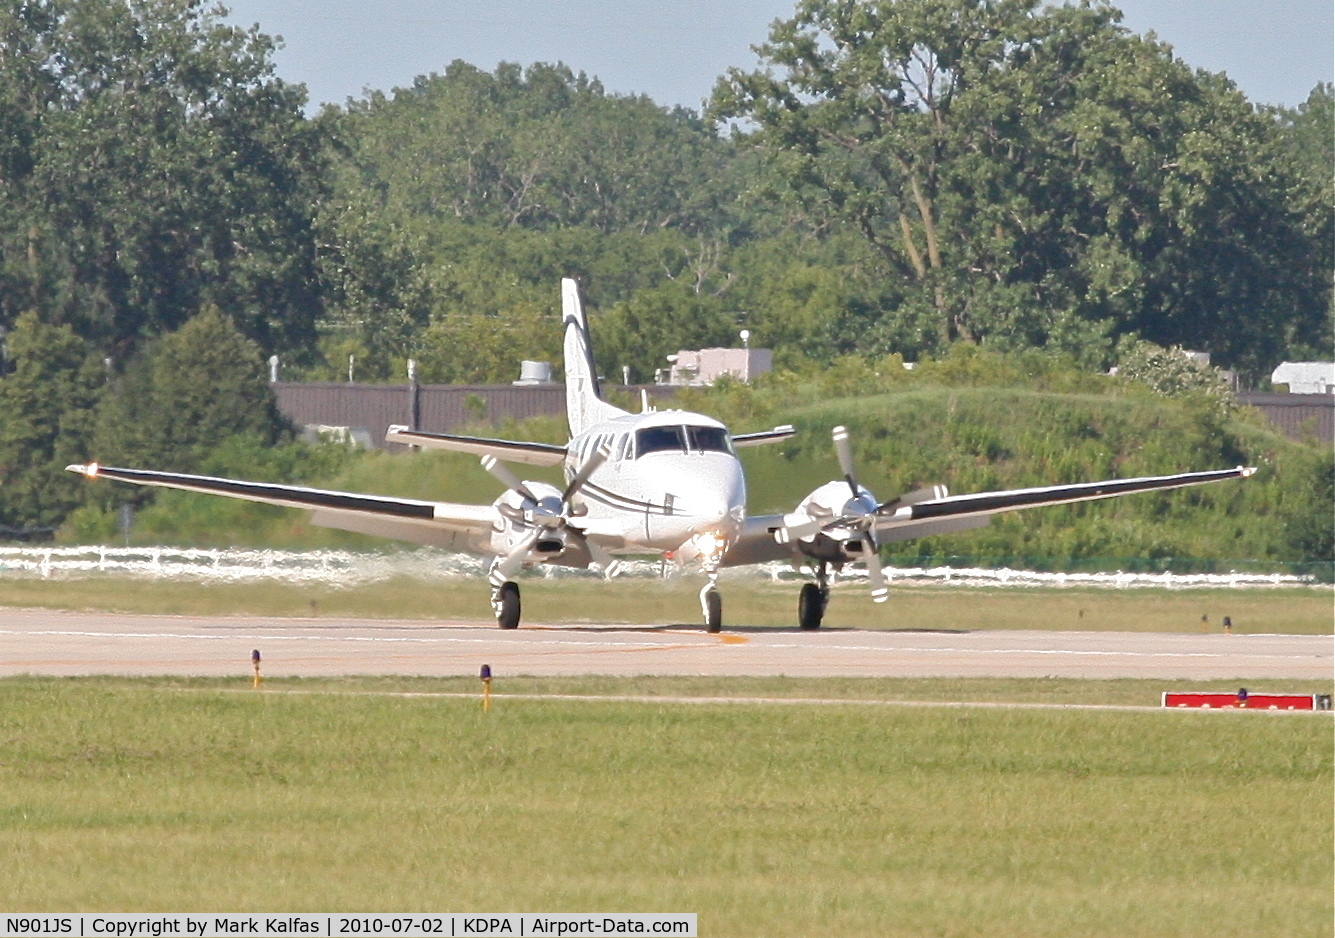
[62, 643]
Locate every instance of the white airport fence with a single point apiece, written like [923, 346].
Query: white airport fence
[340, 568]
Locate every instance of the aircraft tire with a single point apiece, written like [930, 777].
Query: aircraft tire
[507, 598]
[810, 607]
[713, 611]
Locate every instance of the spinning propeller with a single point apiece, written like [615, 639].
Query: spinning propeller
[845, 529]
[549, 515]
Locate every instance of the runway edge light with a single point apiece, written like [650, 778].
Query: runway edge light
[486, 688]
[255, 663]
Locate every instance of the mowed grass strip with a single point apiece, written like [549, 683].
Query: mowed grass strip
[766, 820]
[747, 603]
[982, 691]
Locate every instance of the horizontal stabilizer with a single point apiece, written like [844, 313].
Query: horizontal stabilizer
[532, 454]
[777, 435]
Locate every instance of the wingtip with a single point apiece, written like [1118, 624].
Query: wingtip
[1246, 471]
[89, 470]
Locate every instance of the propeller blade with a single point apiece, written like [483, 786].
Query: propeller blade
[875, 577]
[611, 566]
[596, 459]
[507, 478]
[506, 567]
[844, 450]
[928, 494]
[787, 533]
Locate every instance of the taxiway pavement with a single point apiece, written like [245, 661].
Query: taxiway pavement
[65, 643]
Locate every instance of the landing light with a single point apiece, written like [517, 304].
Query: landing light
[710, 545]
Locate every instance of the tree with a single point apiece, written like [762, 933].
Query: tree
[1174, 373]
[151, 163]
[531, 148]
[185, 395]
[1308, 134]
[643, 330]
[1035, 176]
[47, 403]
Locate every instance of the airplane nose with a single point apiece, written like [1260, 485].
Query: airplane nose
[712, 510]
[718, 511]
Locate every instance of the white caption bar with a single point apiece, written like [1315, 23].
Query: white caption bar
[344, 924]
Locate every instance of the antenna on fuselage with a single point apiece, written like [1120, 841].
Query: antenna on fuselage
[644, 402]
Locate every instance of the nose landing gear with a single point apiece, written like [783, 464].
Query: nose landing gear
[711, 604]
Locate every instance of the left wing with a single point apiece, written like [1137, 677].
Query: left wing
[440, 524]
[935, 516]
[895, 521]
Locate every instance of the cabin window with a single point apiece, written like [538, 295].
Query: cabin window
[624, 448]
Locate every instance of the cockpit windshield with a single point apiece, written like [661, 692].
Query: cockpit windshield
[708, 440]
[660, 440]
[682, 439]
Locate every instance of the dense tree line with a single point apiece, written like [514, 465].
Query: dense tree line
[1034, 177]
[900, 177]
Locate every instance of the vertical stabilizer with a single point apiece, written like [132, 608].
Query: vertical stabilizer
[584, 404]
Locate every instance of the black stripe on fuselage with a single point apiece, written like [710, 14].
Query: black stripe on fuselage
[624, 503]
[312, 498]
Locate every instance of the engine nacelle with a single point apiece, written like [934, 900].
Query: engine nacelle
[522, 515]
[833, 502]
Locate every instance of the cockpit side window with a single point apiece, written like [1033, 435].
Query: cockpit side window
[709, 440]
[659, 440]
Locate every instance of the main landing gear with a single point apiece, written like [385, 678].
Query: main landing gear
[505, 603]
[812, 600]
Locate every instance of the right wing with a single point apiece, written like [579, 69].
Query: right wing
[439, 524]
[755, 542]
[533, 454]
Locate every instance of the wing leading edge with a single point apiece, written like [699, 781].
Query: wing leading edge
[983, 504]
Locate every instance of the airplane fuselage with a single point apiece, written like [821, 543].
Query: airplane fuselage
[671, 481]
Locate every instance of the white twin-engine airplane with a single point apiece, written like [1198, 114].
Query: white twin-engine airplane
[665, 483]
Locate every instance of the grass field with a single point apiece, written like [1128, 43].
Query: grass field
[765, 819]
[747, 602]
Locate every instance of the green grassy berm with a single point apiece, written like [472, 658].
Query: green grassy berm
[766, 819]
